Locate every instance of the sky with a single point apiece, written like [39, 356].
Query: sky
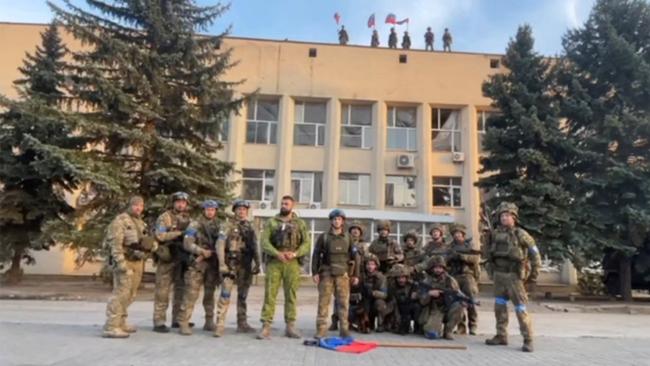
[483, 26]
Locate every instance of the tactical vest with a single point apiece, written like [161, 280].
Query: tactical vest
[381, 248]
[412, 256]
[336, 253]
[506, 251]
[236, 244]
[286, 236]
[436, 249]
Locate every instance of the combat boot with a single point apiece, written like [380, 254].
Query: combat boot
[528, 345]
[128, 328]
[335, 323]
[472, 330]
[448, 335]
[265, 333]
[321, 333]
[345, 333]
[461, 329]
[209, 324]
[184, 328]
[160, 328]
[497, 340]
[244, 327]
[291, 331]
[380, 325]
[177, 325]
[219, 331]
[115, 333]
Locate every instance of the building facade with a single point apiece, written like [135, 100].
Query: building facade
[381, 133]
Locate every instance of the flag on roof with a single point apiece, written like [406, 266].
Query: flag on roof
[337, 17]
[391, 18]
[403, 21]
[371, 21]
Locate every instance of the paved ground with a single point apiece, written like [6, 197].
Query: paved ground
[36, 332]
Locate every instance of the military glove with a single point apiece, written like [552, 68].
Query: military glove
[256, 269]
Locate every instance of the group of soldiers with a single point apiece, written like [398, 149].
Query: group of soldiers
[382, 286]
[406, 39]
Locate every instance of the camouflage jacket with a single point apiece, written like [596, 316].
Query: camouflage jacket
[387, 250]
[171, 225]
[201, 233]
[375, 286]
[285, 234]
[444, 282]
[124, 231]
[237, 246]
[462, 261]
[514, 250]
[335, 254]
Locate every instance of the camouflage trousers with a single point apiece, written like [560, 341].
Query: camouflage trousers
[436, 319]
[199, 275]
[243, 279]
[469, 319]
[168, 275]
[286, 275]
[340, 287]
[125, 287]
[509, 286]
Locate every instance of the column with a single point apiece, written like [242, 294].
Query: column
[378, 175]
[333, 143]
[285, 149]
[235, 146]
[424, 181]
[470, 176]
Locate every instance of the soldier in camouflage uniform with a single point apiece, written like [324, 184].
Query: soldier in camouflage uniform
[385, 248]
[392, 39]
[334, 268]
[199, 240]
[413, 253]
[510, 249]
[374, 40]
[437, 245]
[464, 266]
[171, 261]
[403, 293]
[438, 316]
[239, 261]
[286, 241]
[127, 246]
[375, 293]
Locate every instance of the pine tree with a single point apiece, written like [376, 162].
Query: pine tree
[42, 160]
[526, 148]
[604, 86]
[153, 99]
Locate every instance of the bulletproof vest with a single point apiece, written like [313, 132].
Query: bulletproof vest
[133, 229]
[457, 266]
[412, 256]
[337, 253]
[436, 249]
[235, 245]
[431, 281]
[403, 293]
[208, 233]
[505, 245]
[381, 248]
[286, 236]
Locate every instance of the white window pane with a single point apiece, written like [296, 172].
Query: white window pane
[304, 134]
[351, 136]
[251, 129]
[441, 140]
[457, 201]
[449, 119]
[250, 109]
[361, 115]
[315, 112]
[318, 187]
[412, 142]
[441, 196]
[367, 137]
[405, 117]
[267, 110]
[396, 138]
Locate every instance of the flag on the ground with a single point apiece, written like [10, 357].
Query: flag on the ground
[403, 21]
[391, 18]
[337, 17]
[371, 21]
[348, 345]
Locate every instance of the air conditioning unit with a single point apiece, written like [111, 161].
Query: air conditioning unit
[314, 205]
[265, 205]
[405, 161]
[458, 157]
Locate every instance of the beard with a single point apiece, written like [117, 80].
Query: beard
[284, 211]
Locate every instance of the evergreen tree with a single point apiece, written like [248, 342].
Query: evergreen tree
[526, 147]
[604, 86]
[153, 100]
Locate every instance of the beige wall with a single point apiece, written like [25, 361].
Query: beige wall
[338, 74]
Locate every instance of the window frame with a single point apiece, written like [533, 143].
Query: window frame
[405, 177]
[312, 182]
[438, 129]
[407, 130]
[270, 140]
[346, 109]
[359, 190]
[451, 187]
[264, 179]
[299, 120]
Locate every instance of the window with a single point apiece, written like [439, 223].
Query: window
[356, 126]
[307, 187]
[481, 122]
[262, 125]
[354, 189]
[222, 136]
[402, 59]
[445, 130]
[494, 63]
[313, 52]
[258, 185]
[310, 123]
[401, 128]
[400, 191]
[446, 191]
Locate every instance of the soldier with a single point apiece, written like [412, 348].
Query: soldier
[446, 41]
[413, 253]
[374, 40]
[334, 268]
[404, 295]
[406, 41]
[464, 263]
[428, 40]
[199, 240]
[357, 232]
[285, 241]
[511, 247]
[375, 293]
[171, 260]
[440, 315]
[127, 245]
[385, 248]
[343, 36]
[239, 261]
[392, 39]
[437, 245]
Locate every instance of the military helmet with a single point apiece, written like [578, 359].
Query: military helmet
[458, 227]
[383, 225]
[372, 258]
[411, 234]
[357, 224]
[180, 196]
[399, 270]
[336, 213]
[508, 207]
[240, 203]
[438, 227]
[437, 261]
[210, 204]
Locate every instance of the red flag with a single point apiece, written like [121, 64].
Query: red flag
[337, 17]
[403, 21]
[371, 21]
[391, 19]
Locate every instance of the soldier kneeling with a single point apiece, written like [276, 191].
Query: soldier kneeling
[404, 297]
[441, 313]
[375, 293]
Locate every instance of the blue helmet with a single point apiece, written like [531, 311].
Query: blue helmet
[210, 204]
[180, 196]
[240, 203]
[336, 213]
